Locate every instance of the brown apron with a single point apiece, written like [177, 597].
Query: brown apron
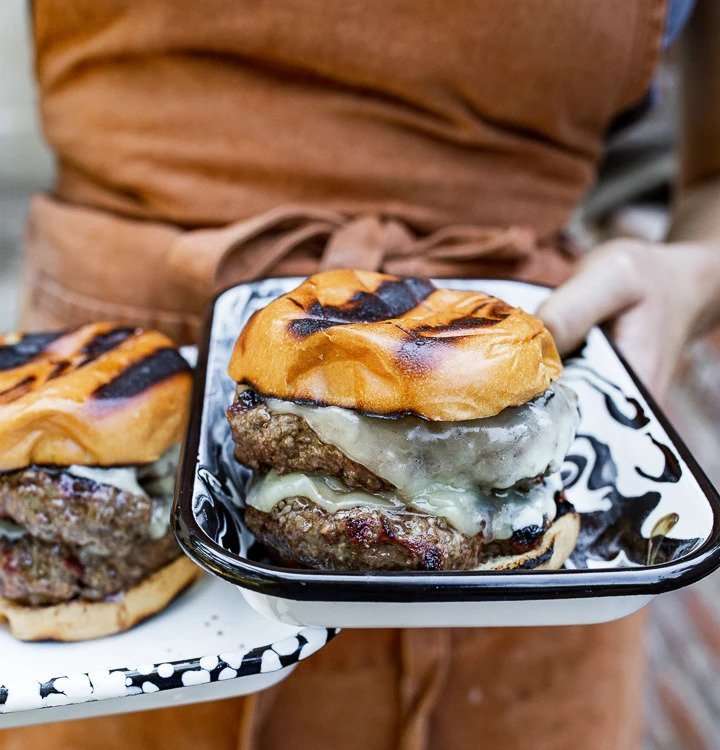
[200, 144]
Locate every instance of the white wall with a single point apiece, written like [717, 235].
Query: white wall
[25, 162]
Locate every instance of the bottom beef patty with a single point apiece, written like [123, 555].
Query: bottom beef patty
[362, 538]
[75, 538]
[41, 573]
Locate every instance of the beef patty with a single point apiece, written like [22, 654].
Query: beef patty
[39, 573]
[83, 539]
[286, 442]
[363, 538]
[58, 507]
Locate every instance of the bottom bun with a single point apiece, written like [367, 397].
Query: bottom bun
[556, 546]
[82, 620]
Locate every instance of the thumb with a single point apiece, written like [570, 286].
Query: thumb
[604, 286]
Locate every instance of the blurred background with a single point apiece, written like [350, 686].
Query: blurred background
[631, 198]
[25, 163]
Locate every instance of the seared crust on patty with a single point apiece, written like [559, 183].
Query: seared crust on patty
[286, 443]
[364, 538]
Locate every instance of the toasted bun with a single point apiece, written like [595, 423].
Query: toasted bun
[82, 621]
[382, 344]
[100, 395]
[556, 546]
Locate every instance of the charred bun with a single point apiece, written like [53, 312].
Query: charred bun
[384, 344]
[101, 394]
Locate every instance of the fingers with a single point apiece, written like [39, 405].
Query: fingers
[605, 285]
[651, 337]
[646, 349]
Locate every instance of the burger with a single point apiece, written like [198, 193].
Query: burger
[394, 425]
[90, 421]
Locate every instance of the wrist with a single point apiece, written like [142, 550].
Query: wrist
[702, 293]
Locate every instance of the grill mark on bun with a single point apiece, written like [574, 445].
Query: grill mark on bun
[417, 355]
[391, 299]
[484, 315]
[60, 369]
[417, 352]
[459, 324]
[105, 342]
[142, 375]
[303, 327]
[27, 348]
[17, 390]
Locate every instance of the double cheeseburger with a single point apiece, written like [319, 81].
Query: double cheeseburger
[393, 425]
[90, 421]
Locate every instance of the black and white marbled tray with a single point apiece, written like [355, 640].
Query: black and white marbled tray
[650, 518]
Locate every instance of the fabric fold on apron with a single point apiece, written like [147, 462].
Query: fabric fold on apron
[149, 273]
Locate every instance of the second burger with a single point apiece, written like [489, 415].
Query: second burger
[90, 424]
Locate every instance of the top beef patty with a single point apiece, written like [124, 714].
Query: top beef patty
[286, 442]
[56, 506]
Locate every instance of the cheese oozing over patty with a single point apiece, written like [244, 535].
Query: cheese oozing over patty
[466, 472]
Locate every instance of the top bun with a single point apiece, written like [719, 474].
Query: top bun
[387, 345]
[102, 395]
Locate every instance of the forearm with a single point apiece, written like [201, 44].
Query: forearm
[696, 223]
[696, 214]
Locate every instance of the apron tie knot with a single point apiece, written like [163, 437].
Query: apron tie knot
[265, 245]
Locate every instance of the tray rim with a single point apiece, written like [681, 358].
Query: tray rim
[442, 586]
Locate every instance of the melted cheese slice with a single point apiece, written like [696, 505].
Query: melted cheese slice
[10, 530]
[500, 516]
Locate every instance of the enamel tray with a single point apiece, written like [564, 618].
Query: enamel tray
[650, 517]
[205, 646]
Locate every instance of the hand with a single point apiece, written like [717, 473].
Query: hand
[657, 297]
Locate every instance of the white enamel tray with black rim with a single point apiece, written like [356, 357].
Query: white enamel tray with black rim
[650, 518]
[205, 646]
